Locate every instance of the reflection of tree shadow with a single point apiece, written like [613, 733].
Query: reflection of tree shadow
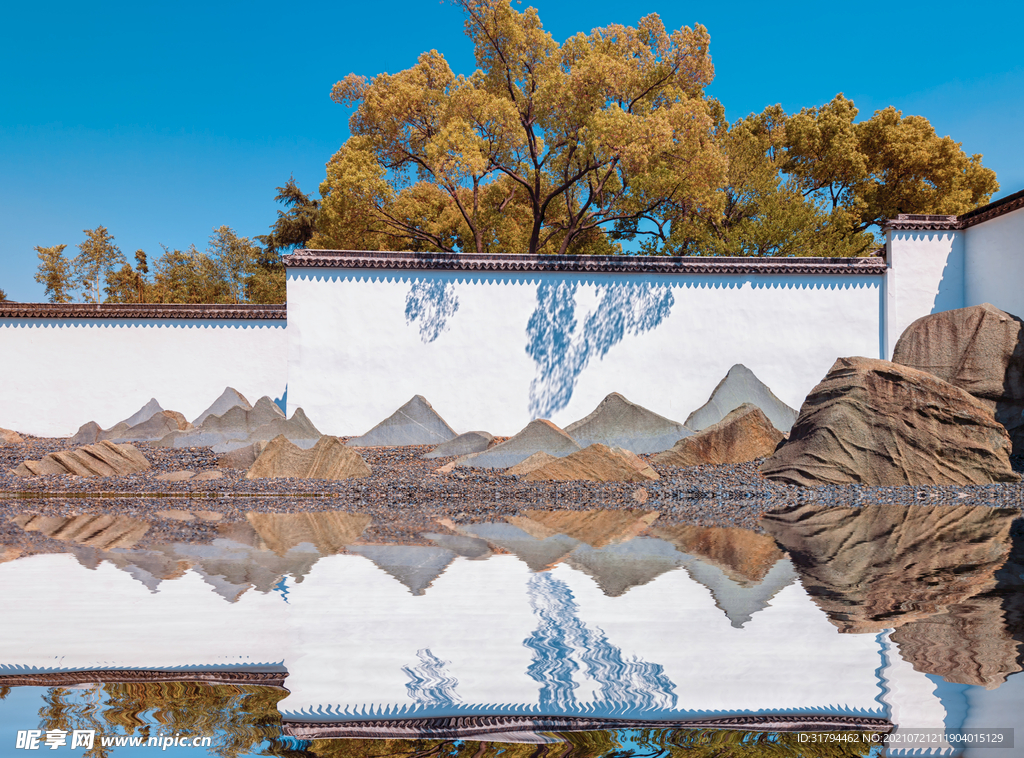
[563, 644]
[561, 354]
[429, 681]
[431, 303]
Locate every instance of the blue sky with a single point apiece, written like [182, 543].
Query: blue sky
[163, 121]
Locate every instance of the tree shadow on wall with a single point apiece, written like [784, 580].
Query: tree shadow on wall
[562, 352]
[431, 303]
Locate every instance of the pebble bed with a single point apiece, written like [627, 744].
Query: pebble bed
[406, 495]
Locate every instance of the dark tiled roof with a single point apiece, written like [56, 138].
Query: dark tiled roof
[915, 222]
[1008, 204]
[922, 222]
[361, 259]
[146, 310]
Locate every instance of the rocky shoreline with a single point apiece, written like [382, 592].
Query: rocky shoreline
[406, 495]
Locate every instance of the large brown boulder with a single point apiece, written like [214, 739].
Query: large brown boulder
[745, 434]
[878, 423]
[979, 349]
[595, 463]
[102, 459]
[327, 459]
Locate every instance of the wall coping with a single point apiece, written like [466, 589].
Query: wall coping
[633, 264]
[933, 223]
[143, 310]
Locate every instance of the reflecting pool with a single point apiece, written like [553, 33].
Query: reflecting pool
[599, 632]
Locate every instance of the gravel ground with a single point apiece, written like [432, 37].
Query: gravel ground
[406, 495]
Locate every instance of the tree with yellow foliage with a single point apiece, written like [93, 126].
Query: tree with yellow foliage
[543, 149]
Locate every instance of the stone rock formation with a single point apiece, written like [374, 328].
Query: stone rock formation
[740, 386]
[537, 436]
[149, 423]
[464, 444]
[298, 429]
[9, 437]
[243, 457]
[102, 459]
[158, 425]
[535, 461]
[616, 422]
[229, 398]
[328, 459]
[145, 424]
[595, 463]
[745, 434]
[979, 349]
[415, 423]
[877, 423]
[240, 427]
[144, 413]
[88, 433]
[104, 532]
[743, 555]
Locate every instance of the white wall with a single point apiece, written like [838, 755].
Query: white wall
[57, 374]
[995, 263]
[926, 275]
[493, 351]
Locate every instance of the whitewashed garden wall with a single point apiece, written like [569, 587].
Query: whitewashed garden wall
[64, 365]
[495, 341]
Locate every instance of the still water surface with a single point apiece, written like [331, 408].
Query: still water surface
[279, 634]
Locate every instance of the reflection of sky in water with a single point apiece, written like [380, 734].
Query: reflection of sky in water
[629, 629]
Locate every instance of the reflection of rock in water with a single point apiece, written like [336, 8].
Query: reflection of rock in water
[596, 528]
[979, 640]
[414, 566]
[744, 556]
[328, 531]
[228, 567]
[618, 568]
[103, 531]
[968, 644]
[738, 601]
[538, 554]
[945, 577]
